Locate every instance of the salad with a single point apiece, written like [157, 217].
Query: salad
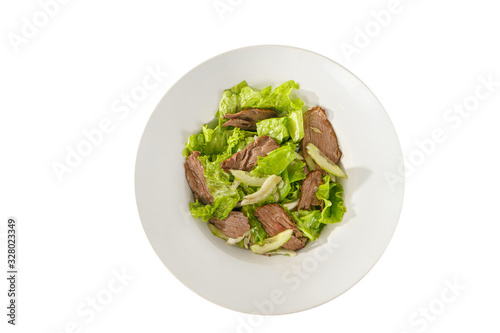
[264, 175]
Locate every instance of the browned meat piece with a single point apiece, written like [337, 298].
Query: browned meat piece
[196, 179]
[319, 131]
[248, 118]
[310, 185]
[274, 219]
[234, 225]
[246, 159]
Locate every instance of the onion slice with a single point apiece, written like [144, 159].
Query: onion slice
[291, 205]
[247, 178]
[268, 188]
[232, 241]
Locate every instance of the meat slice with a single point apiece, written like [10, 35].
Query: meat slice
[248, 118]
[274, 219]
[310, 185]
[246, 159]
[234, 225]
[319, 131]
[196, 179]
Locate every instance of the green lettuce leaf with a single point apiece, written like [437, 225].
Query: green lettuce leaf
[239, 139]
[250, 97]
[199, 210]
[195, 142]
[294, 193]
[230, 102]
[257, 231]
[285, 189]
[333, 203]
[309, 222]
[221, 140]
[275, 162]
[276, 128]
[280, 101]
[295, 125]
[296, 171]
[256, 228]
[241, 96]
[220, 186]
[215, 140]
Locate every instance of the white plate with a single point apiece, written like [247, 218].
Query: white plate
[235, 278]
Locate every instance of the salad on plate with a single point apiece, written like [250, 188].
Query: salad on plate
[263, 175]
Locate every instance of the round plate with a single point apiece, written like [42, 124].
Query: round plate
[233, 277]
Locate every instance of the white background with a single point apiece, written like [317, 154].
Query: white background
[75, 234]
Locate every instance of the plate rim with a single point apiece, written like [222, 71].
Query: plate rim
[280, 46]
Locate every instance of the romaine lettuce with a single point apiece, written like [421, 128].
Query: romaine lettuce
[275, 162]
[331, 194]
[217, 143]
[256, 228]
[195, 142]
[295, 125]
[309, 222]
[220, 186]
[280, 101]
[241, 97]
[296, 171]
[230, 100]
[285, 187]
[276, 128]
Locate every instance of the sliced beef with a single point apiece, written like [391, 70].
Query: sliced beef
[234, 225]
[319, 131]
[246, 159]
[274, 219]
[310, 185]
[196, 179]
[248, 118]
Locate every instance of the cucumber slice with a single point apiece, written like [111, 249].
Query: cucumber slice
[310, 163]
[324, 162]
[272, 243]
[216, 231]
